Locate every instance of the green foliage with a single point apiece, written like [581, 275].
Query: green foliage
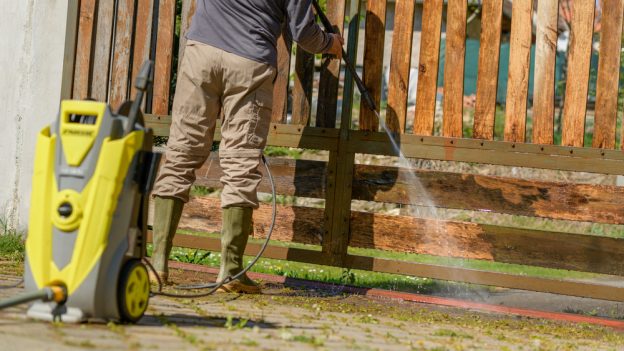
[278, 151]
[11, 243]
[194, 257]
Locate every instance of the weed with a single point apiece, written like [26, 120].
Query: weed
[12, 246]
[308, 339]
[231, 324]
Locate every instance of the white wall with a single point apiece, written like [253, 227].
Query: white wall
[32, 39]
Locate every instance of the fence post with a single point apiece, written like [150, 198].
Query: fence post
[341, 164]
[69, 57]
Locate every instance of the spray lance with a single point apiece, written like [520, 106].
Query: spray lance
[366, 95]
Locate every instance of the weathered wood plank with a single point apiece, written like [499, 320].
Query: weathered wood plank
[430, 237]
[561, 201]
[69, 54]
[544, 88]
[398, 86]
[102, 49]
[84, 48]
[487, 81]
[577, 83]
[608, 75]
[164, 57]
[280, 87]
[188, 10]
[302, 91]
[330, 71]
[454, 68]
[373, 59]
[352, 47]
[120, 74]
[519, 64]
[142, 40]
[428, 67]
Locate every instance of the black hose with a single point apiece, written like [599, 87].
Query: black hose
[215, 286]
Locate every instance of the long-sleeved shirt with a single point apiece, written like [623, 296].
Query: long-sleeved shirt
[250, 28]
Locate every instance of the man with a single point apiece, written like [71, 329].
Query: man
[228, 68]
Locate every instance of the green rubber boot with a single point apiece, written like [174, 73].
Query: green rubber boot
[167, 213]
[237, 225]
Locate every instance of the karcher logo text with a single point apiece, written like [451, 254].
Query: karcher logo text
[85, 133]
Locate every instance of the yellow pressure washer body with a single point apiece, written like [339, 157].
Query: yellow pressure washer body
[88, 217]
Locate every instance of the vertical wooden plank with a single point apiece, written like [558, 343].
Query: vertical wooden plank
[142, 38]
[120, 74]
[340, 165]
[280, 87]
[454, 68]
[102, 50]
[398, 86]
[428, 67]
[544, 87]
[330, 71]
[577, 82]
[188, 10]
[487, 79]
[352, 45]
[373, 59]
[86, 31]
[164, 56]
[69, 55]
[302, 91]
[608, 74]
[519, 71]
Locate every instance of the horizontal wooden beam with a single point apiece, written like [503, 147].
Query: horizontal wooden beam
[556, 200]
[578, 252]
[491, 152]
[439, 148]
[458, 274]
[279, 134]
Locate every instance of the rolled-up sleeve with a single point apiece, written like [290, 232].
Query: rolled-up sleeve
[303, 28]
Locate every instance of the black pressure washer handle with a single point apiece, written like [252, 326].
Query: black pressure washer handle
[358, 81]
[143, 81]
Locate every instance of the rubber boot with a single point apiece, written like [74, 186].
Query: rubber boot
[237, 226]
[167, 213]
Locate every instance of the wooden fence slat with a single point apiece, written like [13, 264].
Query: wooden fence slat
[330, 71]
[69, 54]
[428, 67]
[280, 87]
[577, 83]
[352, 47]
[142, 40]
[121, 53]
[188, 10]
[544, 88]
[164, 56]
[519, 71]
[532, 198]
[608, 75]
[398, 86]
[302, 91]
[375, 30]
[454, 68]
[487, 80]
[413, 235]
[102, 50]
[86, 31]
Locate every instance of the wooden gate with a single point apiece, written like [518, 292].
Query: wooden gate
[113, 37]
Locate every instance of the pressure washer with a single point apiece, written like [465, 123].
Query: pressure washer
[87, 238]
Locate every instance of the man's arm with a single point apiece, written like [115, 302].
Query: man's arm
[308, 34]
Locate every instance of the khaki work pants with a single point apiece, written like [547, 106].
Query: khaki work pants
[212, 82]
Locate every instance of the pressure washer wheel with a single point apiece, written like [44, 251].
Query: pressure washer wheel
[133, 291]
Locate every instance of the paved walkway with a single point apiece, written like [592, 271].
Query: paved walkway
[287, 319]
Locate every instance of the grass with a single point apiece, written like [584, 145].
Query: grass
[11, 243]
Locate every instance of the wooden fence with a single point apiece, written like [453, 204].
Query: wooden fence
[114, 37]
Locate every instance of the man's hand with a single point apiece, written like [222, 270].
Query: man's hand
[336, 45]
